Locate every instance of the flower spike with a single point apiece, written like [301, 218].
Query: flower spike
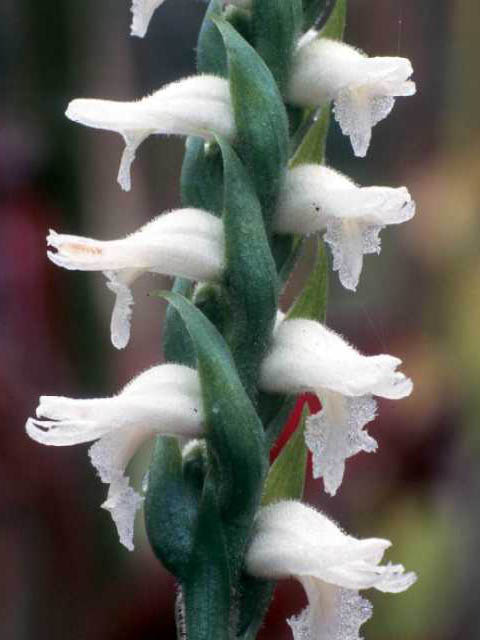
[163, 400]
[292, 539]
[187, 243]
[314, 198]
[305, 356]
[198, 106]
[363, 89]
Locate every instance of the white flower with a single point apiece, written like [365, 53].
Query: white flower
[292, 539]
[142, 12]
[363, 89]
[307, 357]
[314, 198]
[198, 106]
[187, 243]
[163, 400]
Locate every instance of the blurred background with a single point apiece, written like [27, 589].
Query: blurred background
[63, 573]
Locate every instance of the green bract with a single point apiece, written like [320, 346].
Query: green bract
[260, 118]
[250, 275]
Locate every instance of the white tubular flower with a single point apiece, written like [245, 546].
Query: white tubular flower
[163, 400]
[198, 106]
[292, 539]
[187, 243]
[363, 89]
[304, 357]
[314, 198]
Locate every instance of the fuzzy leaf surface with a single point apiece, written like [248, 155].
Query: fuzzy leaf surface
[250, 277]
[234, 432]
[277, 25]
[170, 500]
[260, 118]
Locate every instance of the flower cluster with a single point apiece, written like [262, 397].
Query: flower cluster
[299, 355]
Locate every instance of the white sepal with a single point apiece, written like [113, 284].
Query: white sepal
[316, 198]
[163, 400]
[305, 356]
[188, 243]
[198, 105]
[363, 89]
[292, 539]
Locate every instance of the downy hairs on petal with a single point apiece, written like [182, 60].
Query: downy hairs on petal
[198, 106]
[165, 399]
[188, 243]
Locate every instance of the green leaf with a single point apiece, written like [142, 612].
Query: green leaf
[234, 432]
[210, 300]
[312, 149]
[177, 344]
[276, 409]
[255, 598]
[312, 302]
[286, 251]
[201, 181]
[250, 274]
[206, 585]
[170, 500]
[335, 26]
[260, 118]
[211, 54]
[241, 21]
[286, 479]
[276, 27]
[313, 9]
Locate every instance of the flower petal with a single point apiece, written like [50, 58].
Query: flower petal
[332, 614]
[122, 503]
[142, 12]
[306, 356]
[187, 243]
[336, 433]
[349, 240]
[292, 539]
[122, 309]
[110, 456]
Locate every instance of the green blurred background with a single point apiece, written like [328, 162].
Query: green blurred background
[62, 572]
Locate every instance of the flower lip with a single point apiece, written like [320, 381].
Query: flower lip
[142, 13]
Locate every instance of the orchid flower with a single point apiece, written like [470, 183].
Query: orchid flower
[315, 197]
[198, 106]
[363, 89]
[163, 400]
[305, 356]
[292, 539]
[187, 243]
